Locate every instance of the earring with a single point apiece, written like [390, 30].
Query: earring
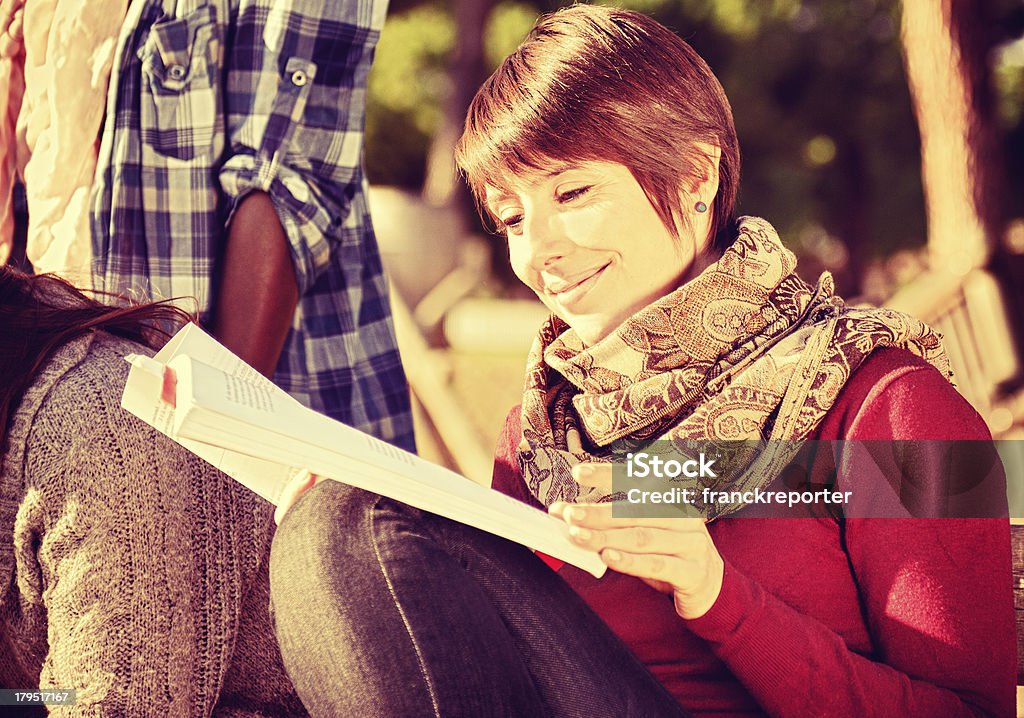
[700, 207]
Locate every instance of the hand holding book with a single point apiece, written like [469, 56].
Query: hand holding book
[293, 491]
[676, 556]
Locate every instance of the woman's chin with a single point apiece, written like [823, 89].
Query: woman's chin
[591, 330]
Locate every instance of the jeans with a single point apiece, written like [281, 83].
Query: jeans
[384, 610]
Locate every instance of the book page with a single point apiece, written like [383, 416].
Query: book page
[142, 393]
[214, 409]
[255, 432]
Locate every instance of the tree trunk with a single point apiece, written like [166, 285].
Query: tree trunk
[468, 70]
[946, 45]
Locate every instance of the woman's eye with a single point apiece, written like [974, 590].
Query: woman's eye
[572, 194]
[511, 223]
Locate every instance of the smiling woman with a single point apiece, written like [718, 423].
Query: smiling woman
[604, 149]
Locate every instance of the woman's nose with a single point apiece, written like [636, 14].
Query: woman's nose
[546, 241]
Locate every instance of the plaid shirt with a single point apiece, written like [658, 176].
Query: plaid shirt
[212, 99]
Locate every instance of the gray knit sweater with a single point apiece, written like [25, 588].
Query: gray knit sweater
[129, 569]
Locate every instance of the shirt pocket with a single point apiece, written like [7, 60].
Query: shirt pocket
[287, 113]
[179, 108]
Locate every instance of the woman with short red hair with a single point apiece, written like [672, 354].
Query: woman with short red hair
[603, 149]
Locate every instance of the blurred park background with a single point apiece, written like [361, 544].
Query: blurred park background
[884, 139]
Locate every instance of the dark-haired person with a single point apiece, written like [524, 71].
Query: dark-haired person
[131, 570]
[604, 149]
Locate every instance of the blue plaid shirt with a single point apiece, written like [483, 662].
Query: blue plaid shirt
[212, 99]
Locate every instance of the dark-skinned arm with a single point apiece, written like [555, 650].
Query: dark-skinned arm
[258, 292]
[293, 109]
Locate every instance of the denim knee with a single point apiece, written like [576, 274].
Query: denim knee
[341, 633]
[318, 536]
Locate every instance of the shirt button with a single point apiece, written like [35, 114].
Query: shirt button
[177, 72]
[299, 78]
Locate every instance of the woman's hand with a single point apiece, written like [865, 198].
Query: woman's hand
[300, 484]
[674, 556]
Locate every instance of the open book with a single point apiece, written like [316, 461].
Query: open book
[204, 397]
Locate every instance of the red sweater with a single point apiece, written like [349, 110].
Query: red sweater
[880, 617]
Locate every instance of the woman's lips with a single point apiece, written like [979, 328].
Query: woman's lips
[569, 293]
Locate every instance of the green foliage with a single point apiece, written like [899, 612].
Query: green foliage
[407, 86]
[1009, 81]
[506, 27]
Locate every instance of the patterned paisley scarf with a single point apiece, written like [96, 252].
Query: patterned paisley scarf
[746, 351]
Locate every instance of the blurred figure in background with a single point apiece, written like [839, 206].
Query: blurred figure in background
[55, 60]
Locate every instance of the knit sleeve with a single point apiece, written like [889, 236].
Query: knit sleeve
[936, 597]
[143, 556]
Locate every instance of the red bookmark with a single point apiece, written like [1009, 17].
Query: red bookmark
[553, 563]
[169, 391]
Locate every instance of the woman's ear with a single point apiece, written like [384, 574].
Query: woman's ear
[705, 185]
[698, 196]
